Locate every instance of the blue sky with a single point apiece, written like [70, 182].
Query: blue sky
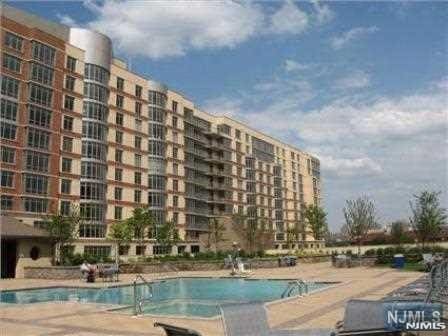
[361, 84]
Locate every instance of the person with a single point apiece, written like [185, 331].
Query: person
[235, 255]
[85, 268]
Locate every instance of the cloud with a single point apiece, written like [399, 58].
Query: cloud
[338, 42]
[346, 167]
[159, 29]
[323, 13]
[355, 80]
[67, 20]
[290, 65]
[289, 19]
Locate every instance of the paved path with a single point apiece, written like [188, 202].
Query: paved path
[319, 310]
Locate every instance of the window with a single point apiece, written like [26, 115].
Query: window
[65, 208]
[97, 251]
[138, 124]
[118, 155]
[156, 114]
[175, 201]
[96, 111]
[11, 63]
[10, 87]
[92, 191]
[69, 103]
[137, 178]
[36, 161]
[118, 215]
[39, 116]
[42, 53]
[175, 217]
[38, 138]
[123, 249]
[119, 137]
[156, 199]
[8, 110]
[175, 137]
[71, 64]
[70, 83]
[175, 185]
[156, 98]
[120, 84]
[140, 250]
[40, 95]
[68, 123]
[7, 178]
[156, 182]
[118, 174]
[138, 109]
[119, 119]
[66, 186]
[35, 184]
[174, 105]
[119, 101]
[118, 192]
[138, 91]
[67, 144]
[7, 154]
[37, 205]
[5, 202]
[137, 196]
[175, 152]
[96, 73]
[13, 41]
[8, 131]
[137, 160]
[94, 130]
[93, 212]
[175, 169]
[66, 165]
[138, 142]
[96, 92]
[174, 122]
[156, 131]
[41, 74]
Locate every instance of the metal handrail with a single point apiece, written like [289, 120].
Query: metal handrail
[300, 284]
[138, 303]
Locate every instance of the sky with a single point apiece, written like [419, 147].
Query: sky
[361, 85]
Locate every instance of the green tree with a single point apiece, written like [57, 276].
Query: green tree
[427, 216]
[398, 232]
[167, 235]
[215, 236]
[360, 218]
[317, 220]
[63, 230]
[122, 233]
[253, 230]
[141, 223]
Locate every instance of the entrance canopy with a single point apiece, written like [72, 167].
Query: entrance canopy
[13, 228]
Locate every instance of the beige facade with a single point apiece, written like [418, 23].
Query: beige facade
[131, 142]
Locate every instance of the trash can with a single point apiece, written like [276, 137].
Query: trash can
[398, 261]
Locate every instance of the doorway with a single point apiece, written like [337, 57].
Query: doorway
[9, 258]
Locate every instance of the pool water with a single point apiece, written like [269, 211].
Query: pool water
[179, 296]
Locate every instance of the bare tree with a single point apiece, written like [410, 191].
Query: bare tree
[398, 232]
[216, 230]
[360, 218]
[427, 216]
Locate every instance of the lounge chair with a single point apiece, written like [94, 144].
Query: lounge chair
[249, 319]
[108, 272]
[242, 267]
[171, 330]
[364, 317]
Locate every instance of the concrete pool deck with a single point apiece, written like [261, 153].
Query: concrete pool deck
[318, 310]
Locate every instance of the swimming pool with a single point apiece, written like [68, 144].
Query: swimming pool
[177, 296]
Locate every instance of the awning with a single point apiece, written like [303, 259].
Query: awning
[11, 227]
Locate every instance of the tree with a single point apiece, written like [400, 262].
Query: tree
[140, 223]
[167, 235]
[317, 221]
[63, 229]
[253, 230]
[398, 232]
[216, 230]
[291, 237]
[360, 218]
[122, 233]
[427, 216]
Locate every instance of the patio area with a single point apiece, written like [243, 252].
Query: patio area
[319, 310]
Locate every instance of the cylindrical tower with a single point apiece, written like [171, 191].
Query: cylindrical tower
[157, 97]
[98, 57]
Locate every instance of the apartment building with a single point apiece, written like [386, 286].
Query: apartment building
[81, 129]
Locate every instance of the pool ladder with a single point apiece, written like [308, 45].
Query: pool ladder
[300, 284]
[138, 302]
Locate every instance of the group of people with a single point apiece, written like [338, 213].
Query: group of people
[88, 271]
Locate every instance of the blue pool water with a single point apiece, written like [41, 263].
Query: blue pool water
[180, 296]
